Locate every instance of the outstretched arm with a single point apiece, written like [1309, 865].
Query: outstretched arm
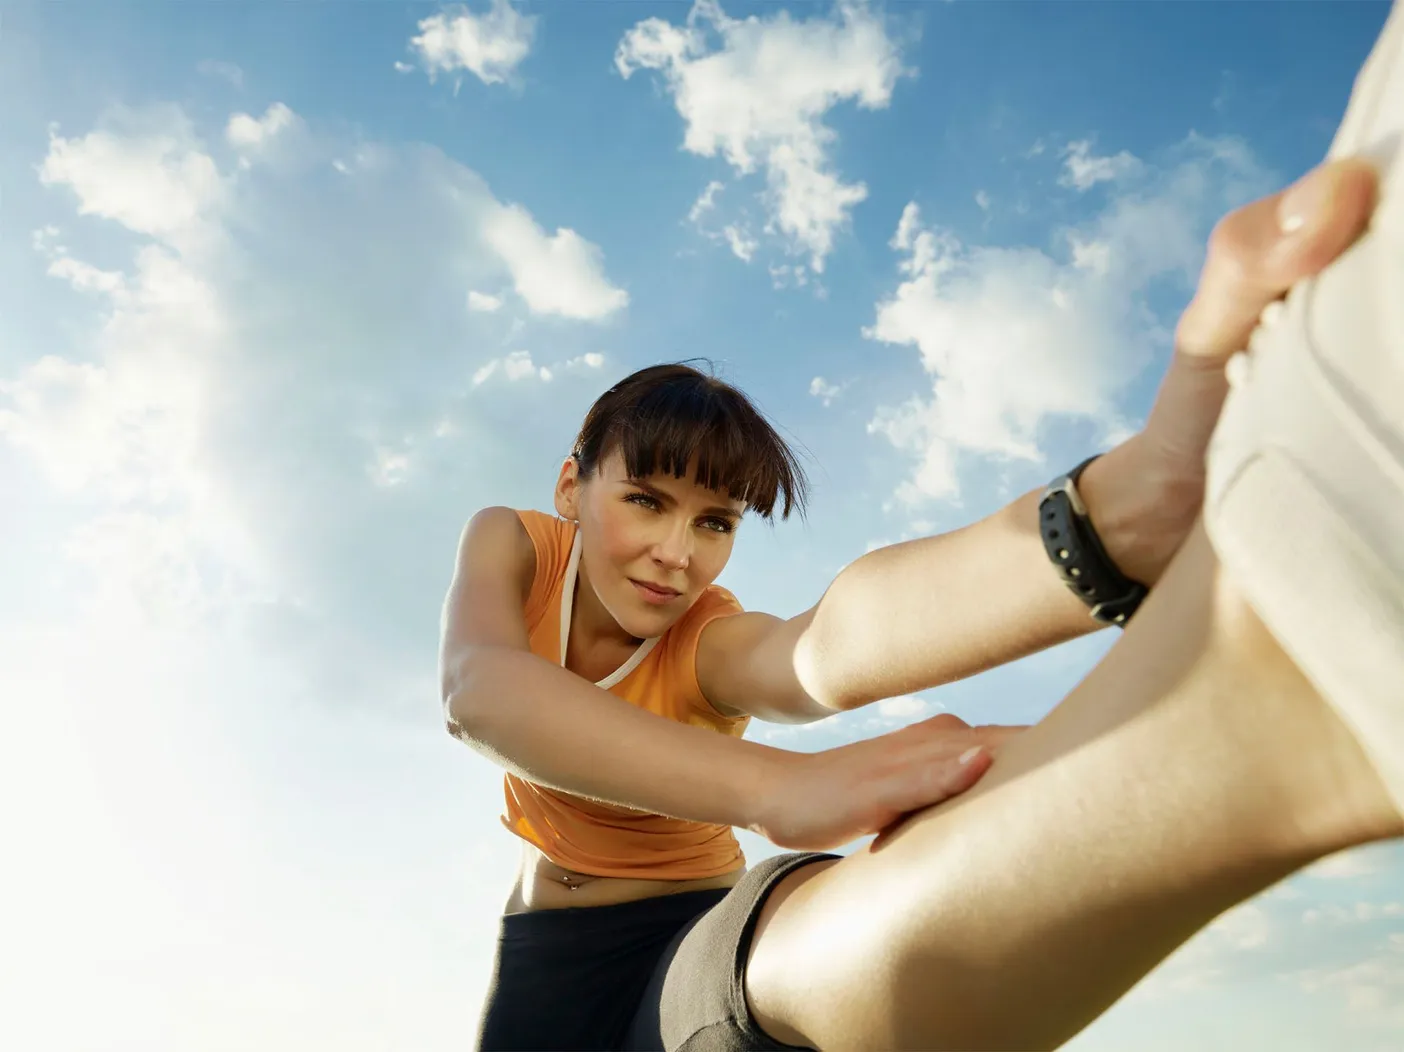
[926, 612]
[914, 615]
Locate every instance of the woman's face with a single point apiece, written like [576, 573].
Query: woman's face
[649, 547]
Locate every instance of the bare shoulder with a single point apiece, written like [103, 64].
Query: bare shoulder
[491, 582]
[496, 521]
[495, 540]
[746, 665]
[735, 636]
[724, 653]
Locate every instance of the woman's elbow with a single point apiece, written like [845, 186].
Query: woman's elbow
[470, 683]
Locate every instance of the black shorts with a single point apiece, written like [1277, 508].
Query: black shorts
[663, 974]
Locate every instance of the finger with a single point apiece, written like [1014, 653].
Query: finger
[930, 779]
[1259, 251]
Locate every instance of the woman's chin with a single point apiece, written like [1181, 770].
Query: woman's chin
[646, 626]
[649, 621]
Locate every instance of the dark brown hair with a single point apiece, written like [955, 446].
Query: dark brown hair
[664, 416]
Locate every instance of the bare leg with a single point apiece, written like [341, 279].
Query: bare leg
[1191, 770]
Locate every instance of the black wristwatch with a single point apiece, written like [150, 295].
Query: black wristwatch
[1077, 553]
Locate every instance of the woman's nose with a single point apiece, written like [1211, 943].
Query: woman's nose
[673, 548]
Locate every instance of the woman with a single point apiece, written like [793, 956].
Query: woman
[1148, 802]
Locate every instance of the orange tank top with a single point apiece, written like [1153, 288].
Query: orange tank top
[660, 677]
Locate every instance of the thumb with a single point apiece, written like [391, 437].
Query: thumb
[1258, 252]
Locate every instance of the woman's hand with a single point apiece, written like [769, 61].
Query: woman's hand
[1256, 254]
[822, 800]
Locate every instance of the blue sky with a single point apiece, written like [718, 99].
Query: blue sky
[287, 291]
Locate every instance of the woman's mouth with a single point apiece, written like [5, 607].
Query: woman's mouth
[656, 594]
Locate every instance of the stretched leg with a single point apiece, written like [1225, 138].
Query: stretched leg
[1197, 764]
[1192, 769]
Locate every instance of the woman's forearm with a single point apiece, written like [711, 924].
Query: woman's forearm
[918, 614]
[552, 728]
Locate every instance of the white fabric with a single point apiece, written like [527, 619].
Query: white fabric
[1305, 505]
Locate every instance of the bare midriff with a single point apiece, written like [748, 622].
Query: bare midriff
[543, 885]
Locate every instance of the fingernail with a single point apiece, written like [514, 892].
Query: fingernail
[968, 755]
[1303, 201]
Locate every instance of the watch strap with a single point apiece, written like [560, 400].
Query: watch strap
[1077, 552]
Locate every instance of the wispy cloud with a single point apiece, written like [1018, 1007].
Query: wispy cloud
[756, 91]
[1082, 169]
[490, 45]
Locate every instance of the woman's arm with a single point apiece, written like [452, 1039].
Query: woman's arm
[548, 725]
[918, 614]
[914, 615]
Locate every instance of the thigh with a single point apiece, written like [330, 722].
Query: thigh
[1150, 800]
[696, 1000]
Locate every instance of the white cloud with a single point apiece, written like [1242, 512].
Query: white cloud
[706, 201]
[736, 235]
[1015, 339]
[982, 198]
[743, 245]
[824, 391]
[1090, 255]
[891, 713]
[483, 302]
[84, 276]
[908, 226]
[559, 273]
[125, 424]
[759, 97]
[250, 133]
[783, 276]
[905, 707]
[1082, 170]
[490, 45]
[592, 360]
[156, 182]
[514, 366]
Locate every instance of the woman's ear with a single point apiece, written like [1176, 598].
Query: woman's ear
[568, 484]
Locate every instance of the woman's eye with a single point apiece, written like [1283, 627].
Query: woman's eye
[719, 525]
[642, 499]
